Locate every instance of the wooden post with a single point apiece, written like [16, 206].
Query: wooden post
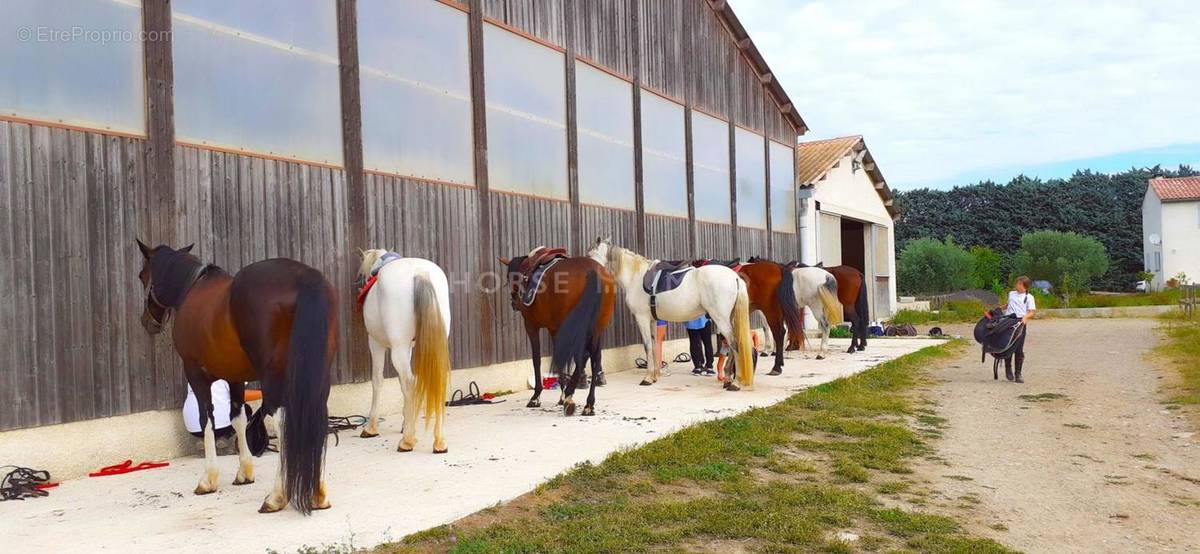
[160, 121]
[352, 161]
[767, 176]
[689, 83]
[733, 223]
[576, 214]
[487, 311]
[635, 67]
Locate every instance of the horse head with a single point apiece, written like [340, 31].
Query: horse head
[512, 274]
[166, 275]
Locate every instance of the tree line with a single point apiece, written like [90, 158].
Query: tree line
[1105, 207]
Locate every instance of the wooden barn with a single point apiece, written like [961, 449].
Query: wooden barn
[455, 131]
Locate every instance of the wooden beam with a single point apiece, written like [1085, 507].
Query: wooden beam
[635, 49]
[745, 43]
[718, 5]
[160, 122]
[352, 162]
[487, 311]
[766, 78]
[767, 181]
[575, 212]
[689, 83]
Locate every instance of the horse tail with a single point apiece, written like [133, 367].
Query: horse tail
[576, 332]
[741, 330]
[306, 420]
[830, 302]
[431, 355]
[786, 294]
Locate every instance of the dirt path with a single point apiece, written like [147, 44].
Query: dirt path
[1104, 468]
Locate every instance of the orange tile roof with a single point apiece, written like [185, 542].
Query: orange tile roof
[819, 156]
[1176, 189]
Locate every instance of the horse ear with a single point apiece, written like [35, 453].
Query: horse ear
[146, 250]
[187, 248]
[504, 261]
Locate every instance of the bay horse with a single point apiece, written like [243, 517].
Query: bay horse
[713, 289]
[574, 302]
[769, 286]
[275, 322]
[406, 309]
[852, 294]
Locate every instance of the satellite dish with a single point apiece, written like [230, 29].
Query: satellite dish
[1155, 239]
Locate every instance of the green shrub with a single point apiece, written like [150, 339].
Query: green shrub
[1070, 261]
[929, 266]
[985, 267]
[954, 311]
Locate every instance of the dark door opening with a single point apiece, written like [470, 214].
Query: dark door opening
[853, 244]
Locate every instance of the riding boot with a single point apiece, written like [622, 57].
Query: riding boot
[1020, 363]
[1008, 369]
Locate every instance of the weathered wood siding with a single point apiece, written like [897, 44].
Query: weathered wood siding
[602, 33]
[540, 18]
[661, 43]
[666, 237]
[621, 225]
[438, 223]
[750, 242]
[713, 55]
[714, 240]
[785, 247]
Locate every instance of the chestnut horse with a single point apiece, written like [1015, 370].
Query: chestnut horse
[769, 286]
[273, 322]
[574, 302]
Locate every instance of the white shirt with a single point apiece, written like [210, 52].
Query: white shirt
[1019, 303]
[220, 402]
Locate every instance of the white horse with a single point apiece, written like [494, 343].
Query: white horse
[713, 289]
[408, 311]
[816, 288]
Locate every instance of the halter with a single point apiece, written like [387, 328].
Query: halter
[167, 309]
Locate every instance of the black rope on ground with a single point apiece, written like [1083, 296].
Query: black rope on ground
[345, 423]
[21, 483]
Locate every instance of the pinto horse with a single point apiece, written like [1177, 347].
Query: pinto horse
[574, 302]
[406, 309]
[274, 322]
[852, 293]
[713, 289]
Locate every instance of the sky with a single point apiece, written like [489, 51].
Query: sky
[953, 92]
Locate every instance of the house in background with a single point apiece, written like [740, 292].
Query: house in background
[1171, 228]
[846, 215]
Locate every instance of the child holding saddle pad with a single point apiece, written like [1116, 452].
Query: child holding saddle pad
[1021, 305]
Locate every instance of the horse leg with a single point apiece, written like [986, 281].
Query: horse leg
[725, 329]
[535, 347]
[202, 388]
[823, 322]
[237, 416]
[854, 325]
[569, 392]
[402, 361]
[777, 339]
[378, 362]
[597, 373]
[277, 499]
[648, 328]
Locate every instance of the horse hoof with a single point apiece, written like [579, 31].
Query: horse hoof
[201, 491]
[776, 371]
[732, 387]
[820, 357]
[569, 409]
[402, 448]
[442, 451]
[851, 351]
[645, 383]
[535, 403]
[266, 508]
[600, 380]
[239, 481]
[367, 434]
[560, 402]
[324, 506]
[588, 411]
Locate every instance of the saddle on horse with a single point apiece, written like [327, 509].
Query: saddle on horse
[664, 276]
[534, 267]
[999, 335]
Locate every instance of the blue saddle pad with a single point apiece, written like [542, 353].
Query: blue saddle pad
[535, 282]
[664, 276]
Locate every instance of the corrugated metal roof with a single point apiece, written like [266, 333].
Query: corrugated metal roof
[1176, 189]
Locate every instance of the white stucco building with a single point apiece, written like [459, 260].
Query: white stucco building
[1171, 228]
[846, 215]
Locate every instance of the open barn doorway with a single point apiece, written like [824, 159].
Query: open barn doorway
[854, 251]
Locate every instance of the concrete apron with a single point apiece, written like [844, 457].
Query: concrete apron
[497, 452]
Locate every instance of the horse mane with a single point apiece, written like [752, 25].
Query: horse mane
[369, 257]
[620, 255]
[172, 273]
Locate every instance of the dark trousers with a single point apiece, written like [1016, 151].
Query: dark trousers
[700, 344]
[1018, 353]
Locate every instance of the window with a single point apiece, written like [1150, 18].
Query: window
[259, 76]
[710, 156]
[664, 156]
[604, 113]
[55, 70]
[526, 115]
[783, 189]
[416, 90]
[751, 179]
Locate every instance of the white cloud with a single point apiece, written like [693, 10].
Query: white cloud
[940, 88]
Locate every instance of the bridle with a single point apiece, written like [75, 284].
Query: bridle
[166, 310]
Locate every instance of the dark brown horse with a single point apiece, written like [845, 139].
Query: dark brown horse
[769, 286]
[273, 322]
[852, 294]
[574, 302]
